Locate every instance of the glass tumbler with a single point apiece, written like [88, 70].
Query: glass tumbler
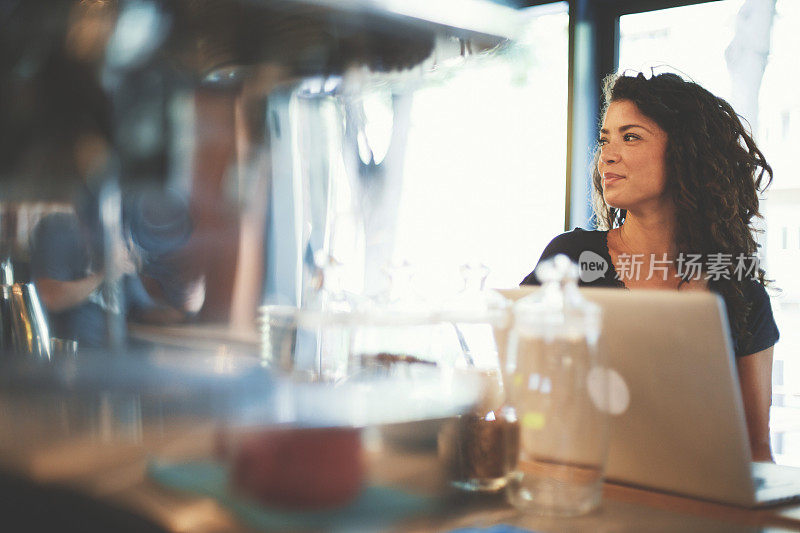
[556, 385]
[479, 447]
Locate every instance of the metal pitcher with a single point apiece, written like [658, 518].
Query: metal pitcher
[23, 326]
[6, 337]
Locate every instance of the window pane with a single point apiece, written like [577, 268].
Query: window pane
[485, 167]
[682, 40]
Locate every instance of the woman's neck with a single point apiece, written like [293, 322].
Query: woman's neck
[650, 234]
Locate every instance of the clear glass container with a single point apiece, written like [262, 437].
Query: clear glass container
[395, 332]
[311, 343]
[552, 383]
[480, 446]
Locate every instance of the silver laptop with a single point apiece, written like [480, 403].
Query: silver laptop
[681, 425]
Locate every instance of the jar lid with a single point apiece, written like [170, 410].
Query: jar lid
[475, 304]
[558, 308]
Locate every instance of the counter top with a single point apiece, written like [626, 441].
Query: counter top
[113, 476]
[624, 509]
[66, 457]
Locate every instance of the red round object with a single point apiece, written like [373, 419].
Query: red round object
[300, 468]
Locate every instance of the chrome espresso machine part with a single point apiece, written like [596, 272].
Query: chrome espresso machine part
[23, 322]
[249, 117]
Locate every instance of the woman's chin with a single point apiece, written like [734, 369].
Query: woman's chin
[613, 200]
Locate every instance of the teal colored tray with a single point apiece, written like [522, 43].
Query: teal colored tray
[376, 507]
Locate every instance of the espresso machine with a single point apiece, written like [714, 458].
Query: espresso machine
[222, 152]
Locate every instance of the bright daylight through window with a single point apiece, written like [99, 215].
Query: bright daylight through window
[468, 194]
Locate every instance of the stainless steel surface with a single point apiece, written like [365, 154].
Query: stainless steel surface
[6, 272]
[6, 323]
[29, 332]
[476, 16]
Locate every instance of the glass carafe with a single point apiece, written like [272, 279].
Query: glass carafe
[555, 383]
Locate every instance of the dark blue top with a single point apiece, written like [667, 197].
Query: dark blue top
[760, 321]
[61, 250]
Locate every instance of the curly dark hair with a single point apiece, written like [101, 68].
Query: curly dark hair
[715, 172]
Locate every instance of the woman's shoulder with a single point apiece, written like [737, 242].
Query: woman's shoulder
[574, 244]
[57, 220]
[760, 319]
[56, 229]
[755, 293]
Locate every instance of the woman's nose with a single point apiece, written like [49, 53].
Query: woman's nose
[609, 154]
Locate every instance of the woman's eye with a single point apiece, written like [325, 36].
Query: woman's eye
[602, 142]
[630, 137]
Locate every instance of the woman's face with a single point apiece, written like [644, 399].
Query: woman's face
[632, 159]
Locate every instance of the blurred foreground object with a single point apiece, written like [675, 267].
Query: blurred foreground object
[558, 388]
[300, 468]
[227, 142]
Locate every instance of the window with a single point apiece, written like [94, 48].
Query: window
[682, 40]
[494, 191]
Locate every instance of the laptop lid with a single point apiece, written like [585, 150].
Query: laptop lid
[678, 422]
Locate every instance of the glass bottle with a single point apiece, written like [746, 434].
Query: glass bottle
[552, 382]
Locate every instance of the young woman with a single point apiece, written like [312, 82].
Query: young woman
[676, 185]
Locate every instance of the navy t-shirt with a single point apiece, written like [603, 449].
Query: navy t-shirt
[60, 250]
[760, 321]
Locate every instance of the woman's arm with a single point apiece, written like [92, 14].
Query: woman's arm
[60, 295]
[755, 380]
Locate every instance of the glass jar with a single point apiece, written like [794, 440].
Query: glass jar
[311, 343]
[393, 333]
[552, 370]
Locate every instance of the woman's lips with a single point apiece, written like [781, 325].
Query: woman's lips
[610, 177]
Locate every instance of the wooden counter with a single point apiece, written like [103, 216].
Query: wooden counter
[101, 453]
[125, 485]
[623, 510]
